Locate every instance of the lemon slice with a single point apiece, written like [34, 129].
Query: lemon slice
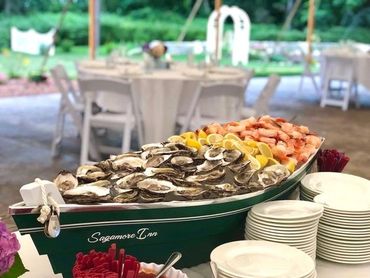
[264, 149]
[244, 149]
[193, 143]
[250, 143]
[215, 139]
[272, 161]
[202, 134]
[232, 136]
[202, 141]
[176, 139]
[290, 165]
[189, 135]
[262, 160]
[255, 164]
[229, 144]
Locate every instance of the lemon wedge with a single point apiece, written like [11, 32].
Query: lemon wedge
[262, 160]
[264, 149]
[193, 143]
[189, 135]
[244, 149]
[215, 139]
[176, 139]
[250, 143]
[255, 164]
[202, 141]
[229, 144]
[290, 165]
[232, 136]
[272, 161]
[202, 134]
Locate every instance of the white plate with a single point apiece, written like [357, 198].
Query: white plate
[338, 182]
[303, 234]
[345, 202]
[343, 242]
[344, 231]
[333, 248]
[340, 260]
[342, 223]
[301, 244]
[262, 259]
[348, 237]
[346, 216]
[283, 224]
[288, 210]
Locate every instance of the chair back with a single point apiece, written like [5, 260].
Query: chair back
[262, 103]
[65, 86]
[225, 101]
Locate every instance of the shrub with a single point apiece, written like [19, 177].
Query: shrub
[66, 45]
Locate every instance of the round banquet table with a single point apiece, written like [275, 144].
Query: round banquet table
[361, 63]
[40, 267]
[162, 94]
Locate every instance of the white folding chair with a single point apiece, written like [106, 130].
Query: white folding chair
[119, 110]
[226, 101]
[261, 105]
[71, 103]
[338, 69]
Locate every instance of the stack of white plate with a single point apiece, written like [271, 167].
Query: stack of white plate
[290, 222]
[323, 182]
[240, 259]
[344, 229]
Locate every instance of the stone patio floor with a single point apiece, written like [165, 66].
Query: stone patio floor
[27, 125]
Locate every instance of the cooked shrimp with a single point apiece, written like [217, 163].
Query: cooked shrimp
[313, 140]
[296, 134]
[303, 129]
[283, 136]
[287, 127]
[235, 129]
[268, 132]
[267, 140]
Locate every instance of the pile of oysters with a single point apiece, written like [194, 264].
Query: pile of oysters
[167, 172]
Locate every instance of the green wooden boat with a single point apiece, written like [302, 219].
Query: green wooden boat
[149, 231]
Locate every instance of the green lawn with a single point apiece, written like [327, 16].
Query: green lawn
[22, 64]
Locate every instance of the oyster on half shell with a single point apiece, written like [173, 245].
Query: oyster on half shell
[214, 154]
[130, 180]
[190, 192]
[88, 194]
[231, 156]
[65, 180]
[127, 197]
[90, 173]
[272, 175]
[244, 177]
[156, 161]
[211, 176]
[128, 163]
[208, 165]
[156, 186]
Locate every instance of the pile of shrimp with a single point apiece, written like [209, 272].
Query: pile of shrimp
[286, 140]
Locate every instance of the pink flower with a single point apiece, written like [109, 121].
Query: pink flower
[9, 246]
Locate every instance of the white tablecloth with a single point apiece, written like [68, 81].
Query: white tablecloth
[361, 64]
[162, 94]
[39, 266]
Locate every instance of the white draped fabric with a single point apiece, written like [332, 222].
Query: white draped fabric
[162, 94]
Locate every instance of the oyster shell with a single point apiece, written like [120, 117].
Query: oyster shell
[223, 188]
[99, 183]
[130, 180]
[128, 163]
[231, 156]
[88, 194]
[156, 161]
[272, 175]
[190, 192]
[105, 165]
[127, 197]
[238, 167]
[244, 177]
[90, 173]
[119, 174]
[156, 186]
[181, 160]
[152, 146]
[149, 172]
[214, 175]
[65, 180]
[149, 197]
[208, 165]
[214, 154]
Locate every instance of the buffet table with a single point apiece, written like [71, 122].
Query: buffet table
[360, 60]
[162, 94]
[39, 266]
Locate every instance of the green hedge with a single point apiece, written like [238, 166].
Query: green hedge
[147, 24]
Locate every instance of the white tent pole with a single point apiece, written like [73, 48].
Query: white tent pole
[217, 8]
[189, 20]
